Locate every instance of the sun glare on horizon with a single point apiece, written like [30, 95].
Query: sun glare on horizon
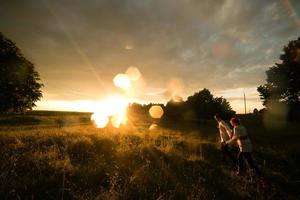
[114, 109]
[111, 110]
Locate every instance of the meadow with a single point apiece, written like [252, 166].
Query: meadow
[61, 155]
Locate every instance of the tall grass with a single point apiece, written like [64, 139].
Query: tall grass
[77, 161]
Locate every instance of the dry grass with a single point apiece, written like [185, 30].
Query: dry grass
[49, 160]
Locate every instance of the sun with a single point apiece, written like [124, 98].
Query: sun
[111, 110]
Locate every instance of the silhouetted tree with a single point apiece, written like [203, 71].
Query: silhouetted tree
[283, 80]
[19, 86]
[135, 108]
[262, 111]
[174, 110]
[255, 111]
[205, 105]
[201, 105]
[222, 106]
[141, 109]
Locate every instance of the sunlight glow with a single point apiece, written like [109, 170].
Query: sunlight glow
[174, 89]
[153, 127]
[112, 110]
[128, 47]
[133, 73]
[122, 81]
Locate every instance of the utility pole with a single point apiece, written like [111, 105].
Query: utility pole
[245, 103]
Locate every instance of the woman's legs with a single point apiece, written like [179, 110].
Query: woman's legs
[227, 153]
[240, 162]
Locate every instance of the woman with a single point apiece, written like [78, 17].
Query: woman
[225, 135]
[241, 137]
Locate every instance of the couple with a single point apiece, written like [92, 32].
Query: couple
[237, 135]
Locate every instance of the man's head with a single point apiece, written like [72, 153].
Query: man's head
[235, 122]
[218, 117]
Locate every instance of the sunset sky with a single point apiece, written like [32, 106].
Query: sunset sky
[79, 46]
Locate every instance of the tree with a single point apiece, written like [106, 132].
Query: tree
[19, 82]
[201, 105]
[136, 108]
[283, 80]
[205, 105]
[174, 110]
[222, 106]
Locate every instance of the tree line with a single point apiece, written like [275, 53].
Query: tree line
[201, 105]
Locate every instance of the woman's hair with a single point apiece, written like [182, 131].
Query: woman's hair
[235, 120]
[218, 116]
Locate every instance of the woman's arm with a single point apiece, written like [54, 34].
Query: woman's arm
[228, 130]
[234, 138]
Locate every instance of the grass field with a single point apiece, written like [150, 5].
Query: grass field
[61, 155]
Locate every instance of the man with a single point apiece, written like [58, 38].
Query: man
[241, 137]
[225, 135]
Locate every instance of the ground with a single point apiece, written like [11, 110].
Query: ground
[60, 155]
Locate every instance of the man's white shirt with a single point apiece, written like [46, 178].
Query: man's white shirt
[245, 145]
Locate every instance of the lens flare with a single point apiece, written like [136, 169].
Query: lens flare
[277, 115]
[156, 112]
[112, 110]
[292, 13]
[174, 89]
[122, 81]
[128, 47]
[153, 127]
[133, 73]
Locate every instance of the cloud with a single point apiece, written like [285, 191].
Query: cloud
[81, 45]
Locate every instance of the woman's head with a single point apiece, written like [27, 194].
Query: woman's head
[235, 121]
[218, 117]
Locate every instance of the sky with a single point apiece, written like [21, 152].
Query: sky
[79, 46]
